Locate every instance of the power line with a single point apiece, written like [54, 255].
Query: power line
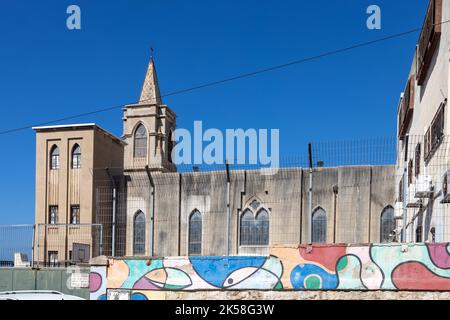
[237, 77]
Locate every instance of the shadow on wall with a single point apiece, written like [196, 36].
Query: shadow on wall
[318, 267]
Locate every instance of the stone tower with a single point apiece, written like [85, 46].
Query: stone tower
[147, 128]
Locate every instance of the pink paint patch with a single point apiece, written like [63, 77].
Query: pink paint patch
[415, 276]
[439, 254]
[145, 284]
[325, 255]
[95, 281]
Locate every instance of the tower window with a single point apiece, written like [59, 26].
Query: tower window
[140, 142]
[75, 214]
[53, 215]
[54, 158]
[76, 157]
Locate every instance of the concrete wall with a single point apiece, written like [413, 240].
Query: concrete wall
[353, 213]
[46, 279]
[423, 267]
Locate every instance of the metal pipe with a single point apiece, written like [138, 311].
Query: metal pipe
[152, 211]
[228, 208]
[34, 244]
[309, 218]
[114, 214]
[405, 191]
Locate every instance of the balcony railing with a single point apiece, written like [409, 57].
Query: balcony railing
[406, 108]
[429, 39]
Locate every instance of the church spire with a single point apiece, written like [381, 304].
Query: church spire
[150, 89]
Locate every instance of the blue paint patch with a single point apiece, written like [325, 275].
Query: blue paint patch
[215, 270]
[301, 273]
[138, 296]
[102, 297]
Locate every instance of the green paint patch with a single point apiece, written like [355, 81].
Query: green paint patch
[312, 282]
[342, 263]
[279, 286]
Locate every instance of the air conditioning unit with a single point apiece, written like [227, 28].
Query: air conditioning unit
[411, 200]
[423, 187]
[446, 187]
[398, 211]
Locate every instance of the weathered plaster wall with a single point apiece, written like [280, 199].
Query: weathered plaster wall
[424, 267]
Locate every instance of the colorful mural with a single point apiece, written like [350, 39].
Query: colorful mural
[318, 267]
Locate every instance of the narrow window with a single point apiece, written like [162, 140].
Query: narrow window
[139, 234]
[75, 214]
[319, 226]
[53, 215]
[140, 142]
[53, 259]
[195, 233]
[387, 224]
[76, 157]
[54, 158]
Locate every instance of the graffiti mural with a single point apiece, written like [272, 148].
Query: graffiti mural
[317, 267]
[97, 283]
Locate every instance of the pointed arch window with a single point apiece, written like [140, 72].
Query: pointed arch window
[54, 158]
[254, 230]
[140, 142]
[76, 157]
[195, 233]
[387, 224]
[319, 226]
[139, 234]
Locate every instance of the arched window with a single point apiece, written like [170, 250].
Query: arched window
[319, 226]
[254, 231]
[54, 158]
[387, 224]
[195, 233]
[76, 157]
[140, 142]
[139, 233]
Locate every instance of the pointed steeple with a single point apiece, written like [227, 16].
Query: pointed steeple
[150, 89]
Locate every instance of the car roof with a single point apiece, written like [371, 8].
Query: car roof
[37, 295]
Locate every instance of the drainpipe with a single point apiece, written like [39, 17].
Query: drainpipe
[309, 218]
[228, 207]
[405, 190]
[114, 214]
[152, 211]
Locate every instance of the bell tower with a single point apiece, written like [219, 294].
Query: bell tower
[147, 128]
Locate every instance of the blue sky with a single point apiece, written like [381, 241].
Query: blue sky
[48, 71]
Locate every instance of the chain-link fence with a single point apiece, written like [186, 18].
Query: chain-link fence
[364, 191]
[242, 209]
[59, 245]
[49, 245]
[16, 245]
